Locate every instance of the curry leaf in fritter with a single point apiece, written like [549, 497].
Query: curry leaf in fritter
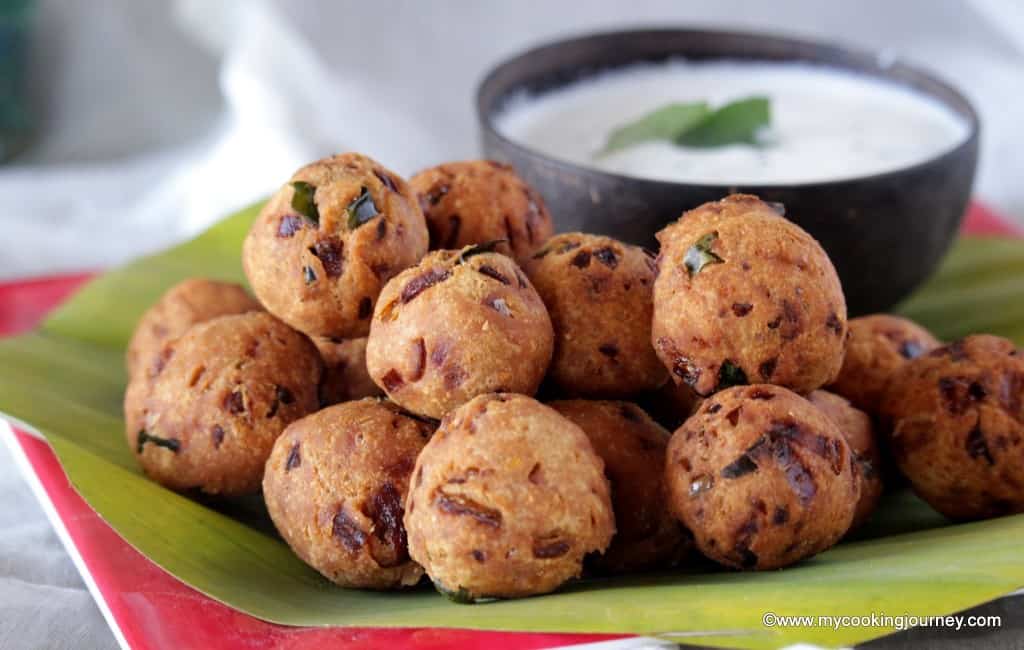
[700, 254]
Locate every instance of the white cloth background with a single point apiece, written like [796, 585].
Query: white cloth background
[155, 118]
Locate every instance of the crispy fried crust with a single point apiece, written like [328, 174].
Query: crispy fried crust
[762, 478]
[456, 326]
[632, 446]
[335, 486]
[598, 291]
[957, 418]
[219, 397]
[323, 276]
[507, 498]
[478, 201]
[189, 302]
[857, 428]
[744, 296]
[877, 347]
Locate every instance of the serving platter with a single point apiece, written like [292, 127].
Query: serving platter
[64, 381]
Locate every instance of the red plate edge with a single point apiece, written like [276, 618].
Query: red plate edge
[149, 608]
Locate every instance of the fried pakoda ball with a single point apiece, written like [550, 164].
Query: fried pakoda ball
[957, 417]
[322, 248]
[857, 428]
[478, 201]
[189, 302]
[345, 375]
[598, 292]
[632, 446]
[218, 398]
[335, 486]
[459, 324]
[762, 478]
[506, 500]
[878, 345]
[744, 296]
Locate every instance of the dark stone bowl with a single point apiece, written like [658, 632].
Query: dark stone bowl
[885, 233]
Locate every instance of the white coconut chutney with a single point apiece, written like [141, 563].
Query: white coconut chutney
[827, 124]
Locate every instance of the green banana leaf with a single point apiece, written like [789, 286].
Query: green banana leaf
[66, 380]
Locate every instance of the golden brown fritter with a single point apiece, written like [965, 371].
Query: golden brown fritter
[598, 292]
[745, 296]
[345, 375]
[857, 428]
[218, 398]
[632, 446]
[478, 201]
[877, 347]
[507, 498]
[335, 486]
[460, 324]
[957, 418]
[324, 246]
[762, 478]
[189, 302]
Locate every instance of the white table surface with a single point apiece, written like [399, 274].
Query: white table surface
[155, 118]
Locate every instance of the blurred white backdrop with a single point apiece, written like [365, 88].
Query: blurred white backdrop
[155, 118]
